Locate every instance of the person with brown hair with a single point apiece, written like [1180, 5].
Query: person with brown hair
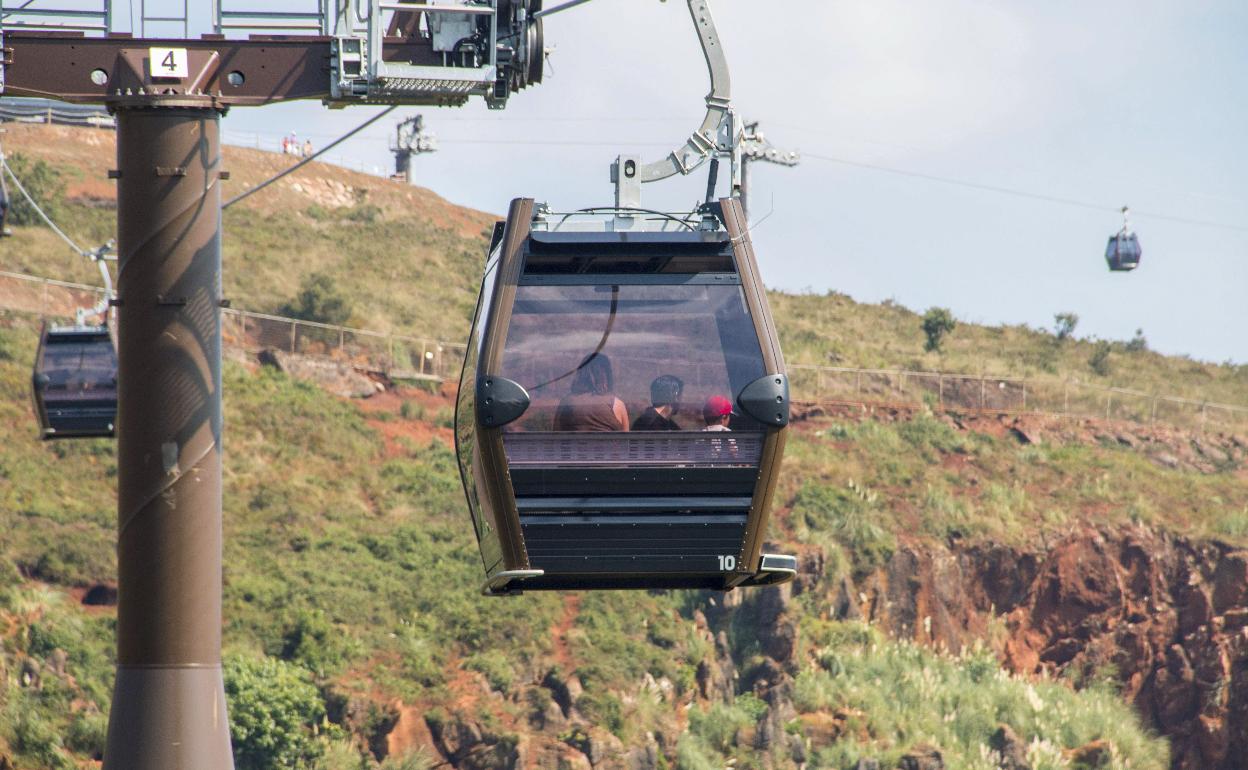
[592, 405]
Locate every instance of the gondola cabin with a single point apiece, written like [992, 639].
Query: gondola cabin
[623, 405]
[1123, 252]
[75, 382]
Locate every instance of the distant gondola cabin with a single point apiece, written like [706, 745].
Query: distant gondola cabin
[75, 382]
[1123, 252]
[623, 407]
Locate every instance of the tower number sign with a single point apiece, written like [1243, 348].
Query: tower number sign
[168, 63]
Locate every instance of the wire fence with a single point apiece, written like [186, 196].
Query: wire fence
[403, 357]
[1005, 394]
[394, 355]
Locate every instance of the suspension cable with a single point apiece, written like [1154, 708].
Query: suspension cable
[34, 205]
[98, 256]
[310, 158]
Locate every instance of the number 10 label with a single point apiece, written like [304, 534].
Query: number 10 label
[168, 63]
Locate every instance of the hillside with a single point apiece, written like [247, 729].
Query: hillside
[989, 590]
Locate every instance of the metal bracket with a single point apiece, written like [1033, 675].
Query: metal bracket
[499, 584]
[500, 401]
[767, 400]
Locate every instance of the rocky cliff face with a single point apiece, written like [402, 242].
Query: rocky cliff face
[1165, 617]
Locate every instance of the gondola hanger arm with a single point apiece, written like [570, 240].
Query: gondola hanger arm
[718, 132]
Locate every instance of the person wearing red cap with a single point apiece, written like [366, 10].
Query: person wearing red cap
[717, 412]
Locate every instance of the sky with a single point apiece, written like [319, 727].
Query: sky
[1098, 104]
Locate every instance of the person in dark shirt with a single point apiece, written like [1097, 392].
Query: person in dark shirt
[665, 402]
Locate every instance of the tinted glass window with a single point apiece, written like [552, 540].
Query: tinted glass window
[80, 364]
[701, 335]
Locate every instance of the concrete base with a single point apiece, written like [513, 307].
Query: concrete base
[168, 718]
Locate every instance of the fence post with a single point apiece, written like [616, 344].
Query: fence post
[1152, 416]
[940, 389]
[1066, 397]
[1204, 417]
[43, 301]
[1024, 395]
[982, 393]
[1109, 400]
[293, 327]
[342, 340]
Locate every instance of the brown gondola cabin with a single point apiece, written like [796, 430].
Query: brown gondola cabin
[623, 404]
[74, 382]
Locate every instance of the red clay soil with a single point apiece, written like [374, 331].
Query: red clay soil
[399, 433]
[559, 632]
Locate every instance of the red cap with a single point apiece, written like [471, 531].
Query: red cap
[716, 407]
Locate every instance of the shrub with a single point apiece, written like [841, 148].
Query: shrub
[319, 300]
[850, 515]
[274, 710]
[937, 322]
[1064, 324]
[44, 184]
[313, 642]
[1137, 344]
[1099, 360]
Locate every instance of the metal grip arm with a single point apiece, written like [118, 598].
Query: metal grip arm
[719, 118]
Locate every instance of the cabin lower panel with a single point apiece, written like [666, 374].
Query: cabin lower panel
[80, 419]
[589, 544]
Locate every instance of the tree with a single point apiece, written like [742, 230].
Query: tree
[319, 300]
[1064, 324]
[44, 184]
[1099, 360]
[937, 322]
[274, 710]
[1137, 344]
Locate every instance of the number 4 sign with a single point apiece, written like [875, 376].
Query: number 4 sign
[168, 63]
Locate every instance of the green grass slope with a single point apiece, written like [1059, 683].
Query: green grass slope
[350, 560]
[352, 575]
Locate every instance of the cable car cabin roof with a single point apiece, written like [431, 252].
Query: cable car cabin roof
[622, 410]
[627, 253]
[74, 383]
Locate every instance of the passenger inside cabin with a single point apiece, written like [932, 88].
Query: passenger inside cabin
[664, 404]
[717, 413]
[592, 404]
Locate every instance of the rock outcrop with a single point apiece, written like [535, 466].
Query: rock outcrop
[1166, 616]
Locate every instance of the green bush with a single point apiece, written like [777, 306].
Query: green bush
[1099, 360]
[937, 322]
[43, 181]
[850, 515]
[1064, 325]
[319, 300]
[906, 693]
[315, 643]
[274, 712]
